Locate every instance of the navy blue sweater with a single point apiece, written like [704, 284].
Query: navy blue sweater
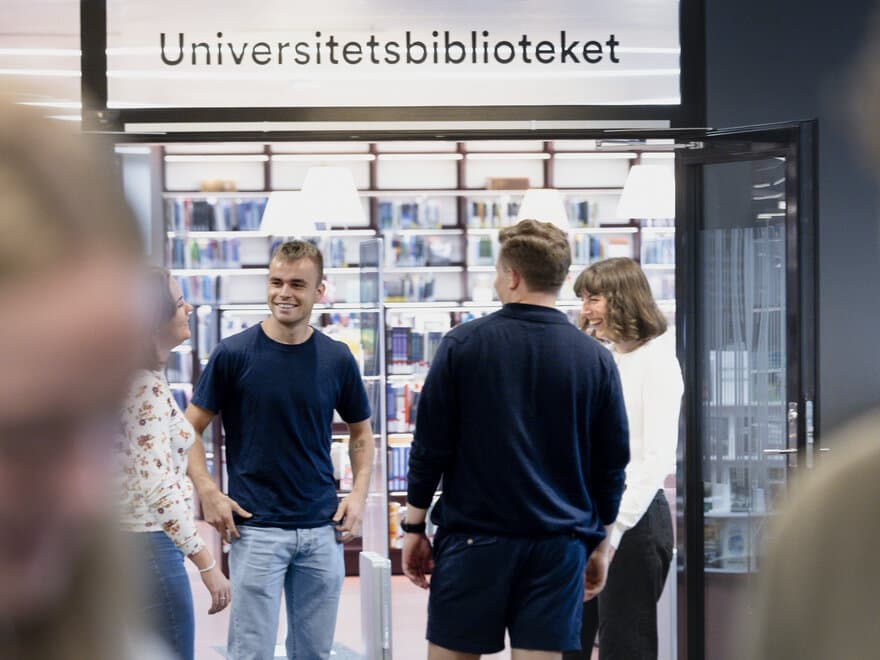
[522, 415]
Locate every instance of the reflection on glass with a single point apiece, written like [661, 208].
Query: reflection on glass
[742, 357]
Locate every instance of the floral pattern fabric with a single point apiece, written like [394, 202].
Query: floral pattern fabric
[156, 438]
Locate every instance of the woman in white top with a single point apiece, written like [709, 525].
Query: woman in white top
[157, 500]
[618, 308]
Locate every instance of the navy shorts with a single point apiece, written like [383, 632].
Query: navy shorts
[483, 585]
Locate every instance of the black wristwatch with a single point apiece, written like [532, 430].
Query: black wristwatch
[415, 528]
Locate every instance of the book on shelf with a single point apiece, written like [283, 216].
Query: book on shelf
[659, 249]
[492, 213]
[401, 401]
[582, 213]
[440, 251]
[411, 287]
[403, 215]
[217, 214]
[398, 466]
[203, 253]
[410, 351]
[198, 289]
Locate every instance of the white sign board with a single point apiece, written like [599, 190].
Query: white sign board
[353, 53]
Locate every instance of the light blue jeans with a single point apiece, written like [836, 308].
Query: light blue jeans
[308, 566]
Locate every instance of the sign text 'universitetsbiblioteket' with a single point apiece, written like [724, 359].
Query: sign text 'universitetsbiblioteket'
[345, 53]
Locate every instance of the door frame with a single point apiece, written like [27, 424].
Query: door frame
[802, 249]
[797, 142]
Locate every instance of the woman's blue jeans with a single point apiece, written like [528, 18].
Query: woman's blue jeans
[168, 604]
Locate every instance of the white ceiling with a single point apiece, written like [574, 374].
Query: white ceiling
[39, 53]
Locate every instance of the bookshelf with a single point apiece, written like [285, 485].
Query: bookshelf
[437, 208]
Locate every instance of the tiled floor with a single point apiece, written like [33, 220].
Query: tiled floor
[409, 612]
[409, 609]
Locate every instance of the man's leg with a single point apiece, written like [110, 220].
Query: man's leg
[544, 611]
[311, 589]
[439, 653]
[522, 654]
[469, 595]
[589, 627]
[258, 562]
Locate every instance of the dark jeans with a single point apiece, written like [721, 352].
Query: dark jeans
[625, 612]
[168, 604]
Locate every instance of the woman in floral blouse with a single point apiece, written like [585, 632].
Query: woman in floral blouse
[157, 501]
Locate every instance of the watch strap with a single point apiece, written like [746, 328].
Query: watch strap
[414, 528]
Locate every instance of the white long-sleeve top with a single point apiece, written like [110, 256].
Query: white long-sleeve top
[156, 439]
[652, 388]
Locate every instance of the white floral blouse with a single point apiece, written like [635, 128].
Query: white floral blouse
[155, 440]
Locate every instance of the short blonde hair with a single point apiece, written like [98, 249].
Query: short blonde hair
[539, 251]
[296, 250]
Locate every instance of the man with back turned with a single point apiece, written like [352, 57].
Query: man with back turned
[523, 418]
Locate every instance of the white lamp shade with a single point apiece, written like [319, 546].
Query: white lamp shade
[287, 213]
[333, 197]
[544, 205]
[649, 192]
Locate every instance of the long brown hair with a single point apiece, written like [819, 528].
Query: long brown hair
[632, 313]
[164, 308]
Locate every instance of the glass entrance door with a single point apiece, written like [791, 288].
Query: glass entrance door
[747, 329]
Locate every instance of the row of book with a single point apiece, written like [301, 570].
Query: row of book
[409, 251]
[658, 250]
[587, 249]
[409, 351]
[198, 289]
[413, 287]
[496, 213]
[401, 406]
[409, 215]
[398, 467]
[583, 213]
[204, 253]
[222, 214]
[481, 250]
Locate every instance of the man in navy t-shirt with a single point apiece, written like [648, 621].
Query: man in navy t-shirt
[276, 385]
[522, 415]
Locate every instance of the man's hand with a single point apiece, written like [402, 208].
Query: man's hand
[217, 509]
[417, 559]
[348, 517]
[597, 571]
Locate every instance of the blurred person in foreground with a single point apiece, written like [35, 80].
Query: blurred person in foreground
[819, 585]
[69, 299]
[157, 507]
[523, 417]
[619, 308]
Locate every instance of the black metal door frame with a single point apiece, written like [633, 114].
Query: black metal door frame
[797, 142]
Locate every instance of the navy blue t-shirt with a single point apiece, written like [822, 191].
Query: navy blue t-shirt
[277, 402]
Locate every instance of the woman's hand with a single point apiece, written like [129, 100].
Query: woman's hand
[218, 586]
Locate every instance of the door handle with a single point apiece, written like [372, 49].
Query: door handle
[780, 451]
